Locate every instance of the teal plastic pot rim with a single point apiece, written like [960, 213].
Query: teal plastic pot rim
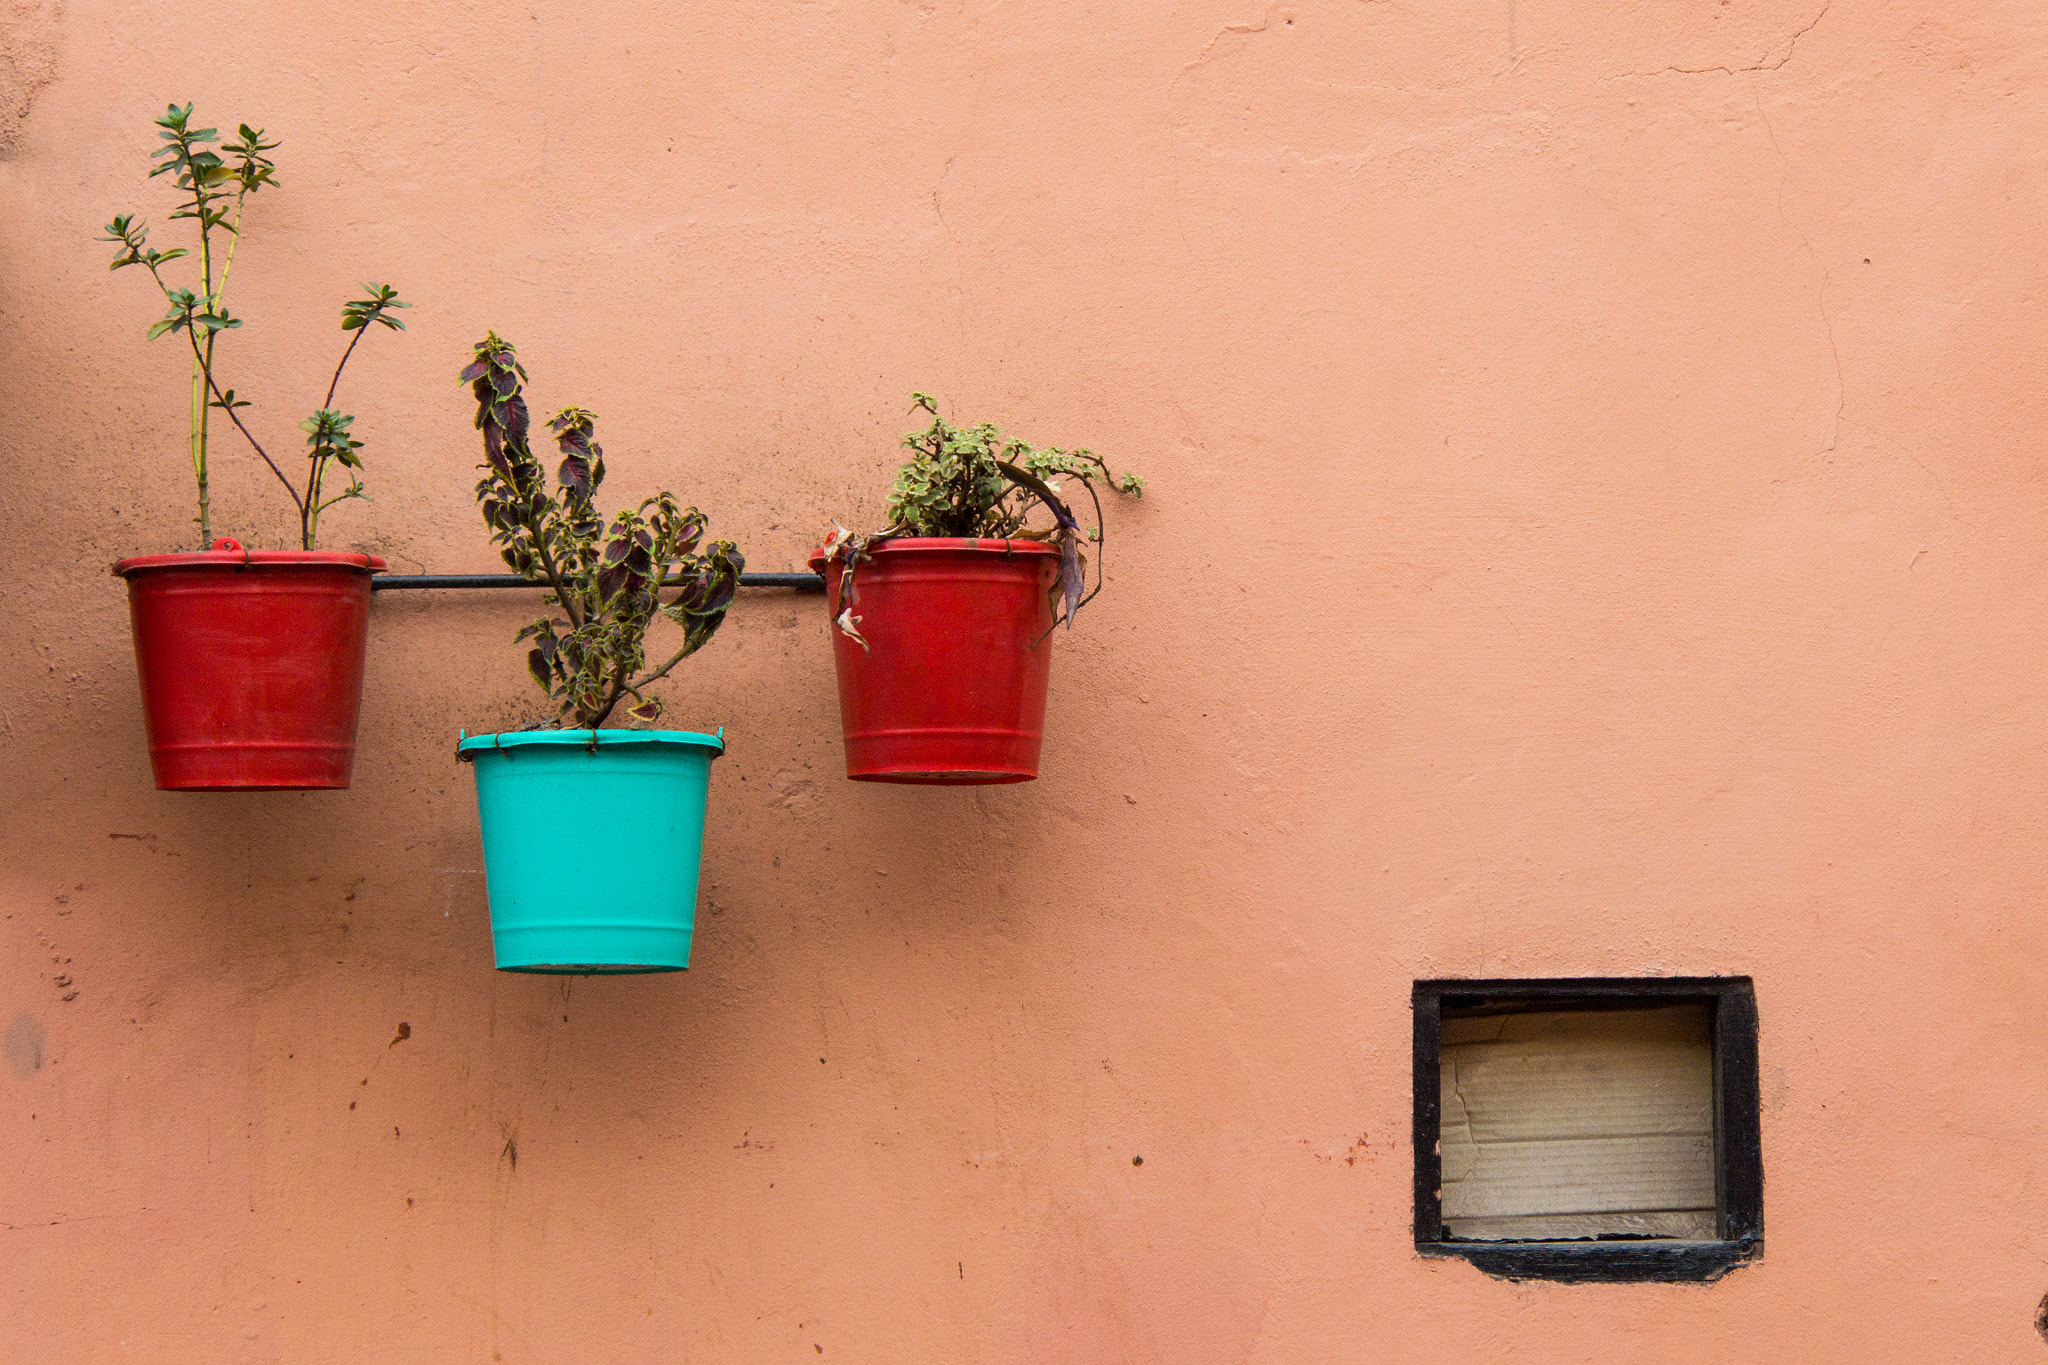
[468, 745]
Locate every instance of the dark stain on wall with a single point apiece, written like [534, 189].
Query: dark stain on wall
[24, 1044]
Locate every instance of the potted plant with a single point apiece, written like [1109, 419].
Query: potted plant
[943, 617]
[251, 661]
[591, 835]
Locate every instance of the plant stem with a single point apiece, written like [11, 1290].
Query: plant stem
[309, 510]
[335, 383]
[201, 413]
[658, 674]
[197, 434]
[618, 686]
[236, 235]
[197, 440]
[547, 562]
[309, 518]
[290, 491]
[203, 367]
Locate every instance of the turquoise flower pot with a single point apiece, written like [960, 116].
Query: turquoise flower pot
[591, 844]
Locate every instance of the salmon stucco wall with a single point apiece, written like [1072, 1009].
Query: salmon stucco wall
[1597, 527]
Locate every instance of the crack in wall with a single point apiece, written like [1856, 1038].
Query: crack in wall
[1209, 48]
[952, 248]
[1826, 280]
[28, 62]
[1791, 45]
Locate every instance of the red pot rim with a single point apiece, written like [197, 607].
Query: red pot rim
[912, 545]
[242, 559]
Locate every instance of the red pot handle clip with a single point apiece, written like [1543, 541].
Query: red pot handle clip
[233, 546]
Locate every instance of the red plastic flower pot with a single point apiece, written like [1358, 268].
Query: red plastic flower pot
[951, 686]
[251, 665]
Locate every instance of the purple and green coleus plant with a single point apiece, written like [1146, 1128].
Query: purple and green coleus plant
[974, 482]
[608, 578]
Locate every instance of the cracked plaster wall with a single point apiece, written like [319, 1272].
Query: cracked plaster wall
[28, 59]
[1596, 527]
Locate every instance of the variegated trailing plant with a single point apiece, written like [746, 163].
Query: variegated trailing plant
[215, 184]
[608, 579]
[974, 482]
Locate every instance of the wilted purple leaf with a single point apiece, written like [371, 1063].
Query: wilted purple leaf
[1072, 579]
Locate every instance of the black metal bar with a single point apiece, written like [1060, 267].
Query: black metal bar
[802, 582]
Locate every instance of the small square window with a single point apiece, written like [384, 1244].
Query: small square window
[1588, 1129]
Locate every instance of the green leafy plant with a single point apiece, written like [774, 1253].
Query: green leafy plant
[608, 579]
[975, 482]
[215, 184]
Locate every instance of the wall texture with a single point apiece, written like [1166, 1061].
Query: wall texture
[1596, 528]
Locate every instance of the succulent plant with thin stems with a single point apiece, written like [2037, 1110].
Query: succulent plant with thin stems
[216, 184]
[607, 577]
[974, 482]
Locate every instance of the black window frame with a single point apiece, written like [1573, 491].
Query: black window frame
[1738, 1145]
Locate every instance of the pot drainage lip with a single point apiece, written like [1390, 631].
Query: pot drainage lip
[594, 968]
[961, 777]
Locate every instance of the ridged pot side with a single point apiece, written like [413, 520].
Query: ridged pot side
[251, 665]
[614, 892]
